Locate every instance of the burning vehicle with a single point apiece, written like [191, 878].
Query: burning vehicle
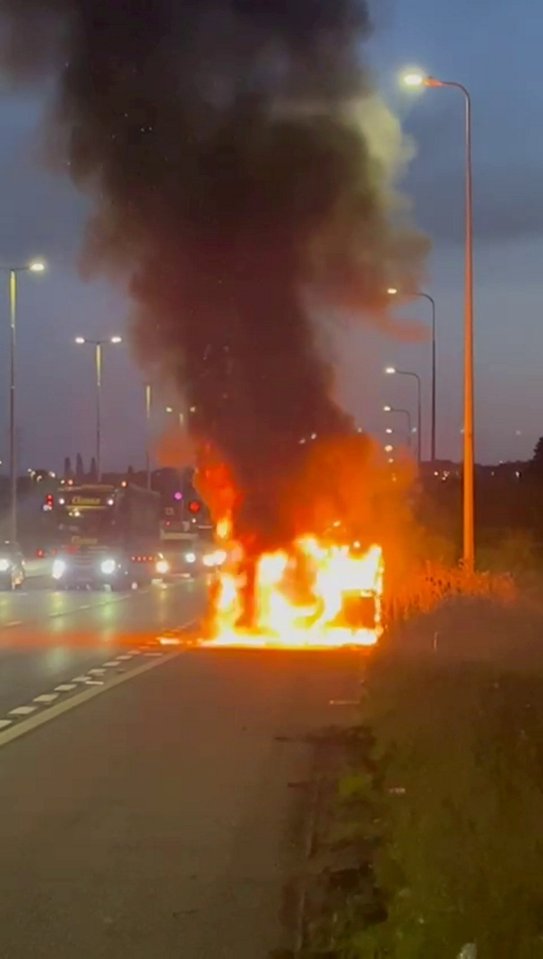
[316, 595]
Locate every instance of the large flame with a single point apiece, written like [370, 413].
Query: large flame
[315, 596]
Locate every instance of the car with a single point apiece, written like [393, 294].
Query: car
[12, 566]
[193, 557]
[99, 567]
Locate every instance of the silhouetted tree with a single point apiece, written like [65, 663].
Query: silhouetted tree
[537, 458]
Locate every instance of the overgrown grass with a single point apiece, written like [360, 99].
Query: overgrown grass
[451, 797]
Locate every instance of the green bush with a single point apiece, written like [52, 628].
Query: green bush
[447, 797]
[461, 857]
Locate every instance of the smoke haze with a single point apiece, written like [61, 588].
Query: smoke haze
[228, 149]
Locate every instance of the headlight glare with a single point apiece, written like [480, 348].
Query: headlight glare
[59, 568]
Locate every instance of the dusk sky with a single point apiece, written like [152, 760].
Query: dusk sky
[492, 47]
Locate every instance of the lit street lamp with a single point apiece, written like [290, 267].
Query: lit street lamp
[36, 266]
[406, 413]
[392, 371]
[148, 407]
[180, 416]
[98, 350]
[392, 291]
[418, 79]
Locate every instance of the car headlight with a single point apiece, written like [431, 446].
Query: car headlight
[59, 568]
[4, 565]
[162, 566]
[108, 566]
[214, 559]
[190, 557]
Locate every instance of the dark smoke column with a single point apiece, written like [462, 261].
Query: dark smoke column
[232, 187]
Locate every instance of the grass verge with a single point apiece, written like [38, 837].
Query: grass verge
[434, 835]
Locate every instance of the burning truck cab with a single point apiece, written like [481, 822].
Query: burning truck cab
[315, 595]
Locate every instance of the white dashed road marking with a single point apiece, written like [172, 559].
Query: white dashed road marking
[91, 678]
[15, 622]
[71, 702]
[22, 711]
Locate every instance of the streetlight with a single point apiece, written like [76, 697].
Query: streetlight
[148, 408]
[392, 371]
[180, 416]
[35, 266]
[392, 291]
[418, 79]
[406, 413]
[98, 350]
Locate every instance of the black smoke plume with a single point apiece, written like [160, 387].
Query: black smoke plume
[232, 188]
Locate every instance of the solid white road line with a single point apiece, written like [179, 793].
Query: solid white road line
[45, 716]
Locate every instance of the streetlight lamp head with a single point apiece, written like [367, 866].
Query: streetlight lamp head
[389, 370]
[387, 409]
[389, 448]
[169, 409]
[392, 291]
[414, 78]
[80, 339]
[115, 339]
[37, 266]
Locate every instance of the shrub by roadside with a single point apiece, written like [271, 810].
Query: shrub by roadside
[451, 797]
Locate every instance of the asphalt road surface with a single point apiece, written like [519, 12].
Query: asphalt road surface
[148, 809]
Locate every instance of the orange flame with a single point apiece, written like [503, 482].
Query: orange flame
[315, 596]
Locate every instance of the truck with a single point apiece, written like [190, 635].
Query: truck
[106, 536]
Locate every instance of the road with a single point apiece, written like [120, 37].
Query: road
[150, 809]
[48, 638]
